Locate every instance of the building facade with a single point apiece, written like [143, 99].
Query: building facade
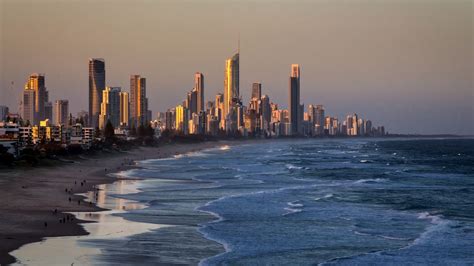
[96, 86]
[138, 101]
[61, 112]
[294, 100]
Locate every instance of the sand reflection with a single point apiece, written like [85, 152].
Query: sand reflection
[73, 249]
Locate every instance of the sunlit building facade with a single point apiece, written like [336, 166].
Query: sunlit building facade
[61, 112]
[231, 88]
[199, 86]
[96, 86]
[138, 101]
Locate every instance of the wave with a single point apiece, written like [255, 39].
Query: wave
[437, 224]
[327, 196]
[381, 236]
[224, 148]
[290, 166]
[371, 180]
[294, 207]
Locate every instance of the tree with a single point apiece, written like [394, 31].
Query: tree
[6, 158]
[150, 132]
[141, 131]
[109, 131]
[97, 134]
[133, 131]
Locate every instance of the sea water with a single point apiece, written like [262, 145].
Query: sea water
[303, 202]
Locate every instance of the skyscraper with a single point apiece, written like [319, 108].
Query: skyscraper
[48, 111]
[124, 109]
[231, 84]
[294, 99]
[256, 90]
[36, 82]
[138, 101]
[266, 113]
[181, 121]
[48, 107]
[110, 107]
[319, 119]
[199, 86]
[193, 99]
[3, 112]
[96, 86]
[61, 112]
[28, 106]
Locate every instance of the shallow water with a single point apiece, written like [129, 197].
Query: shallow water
[304, 202]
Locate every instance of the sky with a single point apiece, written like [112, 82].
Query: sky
[406, 64]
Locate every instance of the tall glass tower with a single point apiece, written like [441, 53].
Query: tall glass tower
[96, 86]
[231, 83]
[294, 99]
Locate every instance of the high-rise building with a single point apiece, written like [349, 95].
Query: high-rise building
[96, 86]
[231, 85]
[319, 119]
[138, 101]
[170, 119]
[220, 110]
[256, 90]
[266, 115]
[312, 118]
[61, 112]
[294, 99]
[36, 82]
[3, 112]
[352, 125]
[28, 106]
[48, 111]
[368, 127]
[181, 121]
[83, 118]
[124, 109]
[48, 107]
[110, 107]
[193, 99]
[199, 86]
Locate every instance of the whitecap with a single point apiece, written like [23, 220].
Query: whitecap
[291, 166]
[330, 195]
[370, 180]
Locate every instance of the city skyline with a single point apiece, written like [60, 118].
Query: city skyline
[411, 100]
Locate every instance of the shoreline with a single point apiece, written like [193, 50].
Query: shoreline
[30, 196]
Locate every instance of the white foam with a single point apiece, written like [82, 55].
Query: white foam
[376, 180]
[291, 166]
[437, 224]
[330, 195]
[224, 148]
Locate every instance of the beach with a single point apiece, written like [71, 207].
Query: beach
[30, 196]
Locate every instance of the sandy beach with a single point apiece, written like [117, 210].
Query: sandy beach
[30, 196]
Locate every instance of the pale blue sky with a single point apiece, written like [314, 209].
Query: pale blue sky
[406, 64]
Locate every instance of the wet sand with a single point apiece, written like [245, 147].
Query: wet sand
[28, 197]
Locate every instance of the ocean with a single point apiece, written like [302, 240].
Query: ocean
[297, 202]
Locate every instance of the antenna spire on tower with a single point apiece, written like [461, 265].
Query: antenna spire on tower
[238, 44]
